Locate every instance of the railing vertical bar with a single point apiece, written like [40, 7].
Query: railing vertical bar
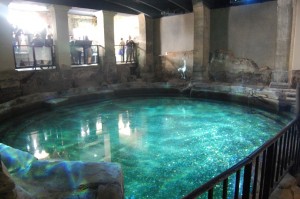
[282, 155]
[34, 58]
[247, 181]
[296, 141]
[225, 188]
[279, 163]
[52, 55]
[98, 56]
[268, 173]
[255, 178]
[262, 180]
[289, 147]
[123, 56]
[293, 140]
[237, 184]
[285, 153]
[274, 164]
[297, 147]
[287, 150]
[263, 168]
[14, 52]
[211, 193]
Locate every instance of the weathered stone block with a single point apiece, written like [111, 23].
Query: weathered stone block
[7, 185]
[225, 67]
[58, 179]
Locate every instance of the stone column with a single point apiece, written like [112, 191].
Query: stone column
[61, 36]
[145, 45]
[201, 40]
[7, 62]
[283, 40]
[298, 100]
[295, 47]
[105, 23]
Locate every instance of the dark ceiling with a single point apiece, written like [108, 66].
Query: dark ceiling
[151, 8]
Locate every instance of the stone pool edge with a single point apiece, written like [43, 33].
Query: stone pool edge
[265, 98]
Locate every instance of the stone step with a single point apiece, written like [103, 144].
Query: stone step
[290, 99]
[289, 94]
[280, 85]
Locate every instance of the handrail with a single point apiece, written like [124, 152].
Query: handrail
[270, 163]
[28, 56]
[124, 54]
[87, 55]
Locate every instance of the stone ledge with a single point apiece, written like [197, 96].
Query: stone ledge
[60, 179]
[263, 97]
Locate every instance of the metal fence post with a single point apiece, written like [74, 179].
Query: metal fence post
[298, 100]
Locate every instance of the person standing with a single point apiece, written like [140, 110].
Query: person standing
[49, 50]
[129, 49]
[38, 50]
[87, 46]
[49, 41]
[122, 49]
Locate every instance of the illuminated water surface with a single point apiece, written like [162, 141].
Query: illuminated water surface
[167, 146]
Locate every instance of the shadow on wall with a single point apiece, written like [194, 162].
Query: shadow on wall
[169, 63]
[219, 24]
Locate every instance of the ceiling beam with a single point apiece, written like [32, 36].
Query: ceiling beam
[143, 2]
[136, 6]
[179, 5]
[90, 4]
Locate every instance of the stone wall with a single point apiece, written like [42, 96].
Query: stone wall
[249, 31]
[295, 48]
[295, 78]
[174, 34]
[15, 84]
[225, 67]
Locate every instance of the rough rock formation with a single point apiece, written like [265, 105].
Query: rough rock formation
[224, 66]
[28, 178]
[7, 185]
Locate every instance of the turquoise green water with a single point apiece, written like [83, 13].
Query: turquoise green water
[166, 146]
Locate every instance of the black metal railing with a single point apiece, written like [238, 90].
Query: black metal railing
[92, 55]
[27, 56]
[257, 175]
[33, 57]
[125, 54]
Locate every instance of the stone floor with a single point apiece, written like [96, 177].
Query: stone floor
[288, 188]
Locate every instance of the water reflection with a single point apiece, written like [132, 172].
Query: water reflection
[128, 134]
[85, 130]
[124, 124]
[107, 152]
[91, 141]
[99, 126]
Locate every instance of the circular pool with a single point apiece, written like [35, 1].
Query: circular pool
[167, 146]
